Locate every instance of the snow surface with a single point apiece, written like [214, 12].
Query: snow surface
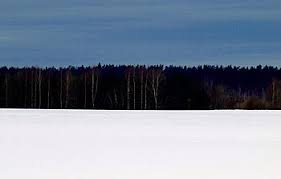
[65, 144]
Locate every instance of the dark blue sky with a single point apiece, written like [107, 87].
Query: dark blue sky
[180, 32]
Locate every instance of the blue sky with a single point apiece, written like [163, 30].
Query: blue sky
[180, 32]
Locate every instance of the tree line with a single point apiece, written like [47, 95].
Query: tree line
[141, 87]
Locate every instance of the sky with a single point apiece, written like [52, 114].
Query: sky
[178, 32]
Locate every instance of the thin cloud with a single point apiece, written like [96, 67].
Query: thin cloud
[123, 31]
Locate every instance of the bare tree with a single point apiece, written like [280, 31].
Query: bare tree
[94, 85]
[85, 89]
[145, 90]
[122, 98]
[48, 90]
[61, 83]
[128, 78]
[67, 87]
[35, 88]
[6, 89]
[31, 89]
[141, 88]
[276, 93]
[25, 88]
[39, 86]
[115, 98]
[134, 88]
[156, 76]
[273, 98]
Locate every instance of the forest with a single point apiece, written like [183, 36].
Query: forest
[139, 87]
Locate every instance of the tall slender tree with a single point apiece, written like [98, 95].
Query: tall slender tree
[94, 84]
[7, 89]
[40, 87]
[48, 89]
[141, 87]
[85, 89]
[134, 88]
[25, 87]
[145, 90]
[67, 87]
[31, 89]
[128, 79]
[61, 85]
[35, 87]
[155, 79]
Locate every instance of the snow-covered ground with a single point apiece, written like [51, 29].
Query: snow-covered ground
[65, 144]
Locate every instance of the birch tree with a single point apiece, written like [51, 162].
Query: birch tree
[156, 76]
